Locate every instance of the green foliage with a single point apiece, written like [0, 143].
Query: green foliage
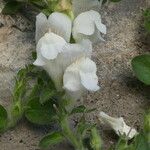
[51, 139]
[41, 114]
[83, 126]
[96, 142]
[147, 19]
[141, 67]
[104, 1]
[12, 7]
[46, 94]
[81, 109]
[115, 0]
[3, 118]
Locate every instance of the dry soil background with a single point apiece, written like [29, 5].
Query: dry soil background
[120, 95]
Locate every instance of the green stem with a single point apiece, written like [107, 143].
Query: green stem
[67, 131]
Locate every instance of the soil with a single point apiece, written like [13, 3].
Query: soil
[121, 94]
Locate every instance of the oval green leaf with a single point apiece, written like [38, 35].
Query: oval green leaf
[41, 114]
[51, 139]
[141, 67]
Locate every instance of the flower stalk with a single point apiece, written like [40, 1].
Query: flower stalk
[63, 121]
[67, 131]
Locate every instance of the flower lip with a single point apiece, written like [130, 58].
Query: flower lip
[81, 76]
[88, 25]
[50, 45]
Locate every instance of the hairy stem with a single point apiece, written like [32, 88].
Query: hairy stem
[67, 131]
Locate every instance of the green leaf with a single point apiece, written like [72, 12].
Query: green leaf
[79, 109]
[46, 94]
[141, 142]
[82, 109]
[38, 3]
[141, 67]
[47, 12]
[34, 55]
[51, 139]
[122, 144]
[115, 0]
[45, 80]
[12, 7]
[17, 110]
[41, 114]
[3, 118]
[147, 19]
[96, 142]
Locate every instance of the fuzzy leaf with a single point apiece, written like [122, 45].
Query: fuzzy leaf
[12, 7]
[141, 142]
[3, 118]
[41, 114]
[96, 142]
[51, 139]
[147, 19]
[79, 109]
[141, 67]
[46, 94]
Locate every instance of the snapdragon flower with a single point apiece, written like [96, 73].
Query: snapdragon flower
[80, 76]
[118, 125]
[55, 53]
[58, 23]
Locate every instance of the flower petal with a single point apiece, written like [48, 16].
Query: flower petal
[101, 27]
[88, 75]
[41, 26]
[88, 25]
[118, 125]
[83, 24]
[84, 5]
[89, 81]
[60, 24]
[71, 81]
[50, 45]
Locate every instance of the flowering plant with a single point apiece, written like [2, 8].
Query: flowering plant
[61, 73]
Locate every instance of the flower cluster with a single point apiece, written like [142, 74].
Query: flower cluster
[68, 63]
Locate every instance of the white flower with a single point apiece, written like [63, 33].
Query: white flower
[54, 54]
[80, 76]
[118, 125]
[58, 23]
[87, 25]
[84, 5]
